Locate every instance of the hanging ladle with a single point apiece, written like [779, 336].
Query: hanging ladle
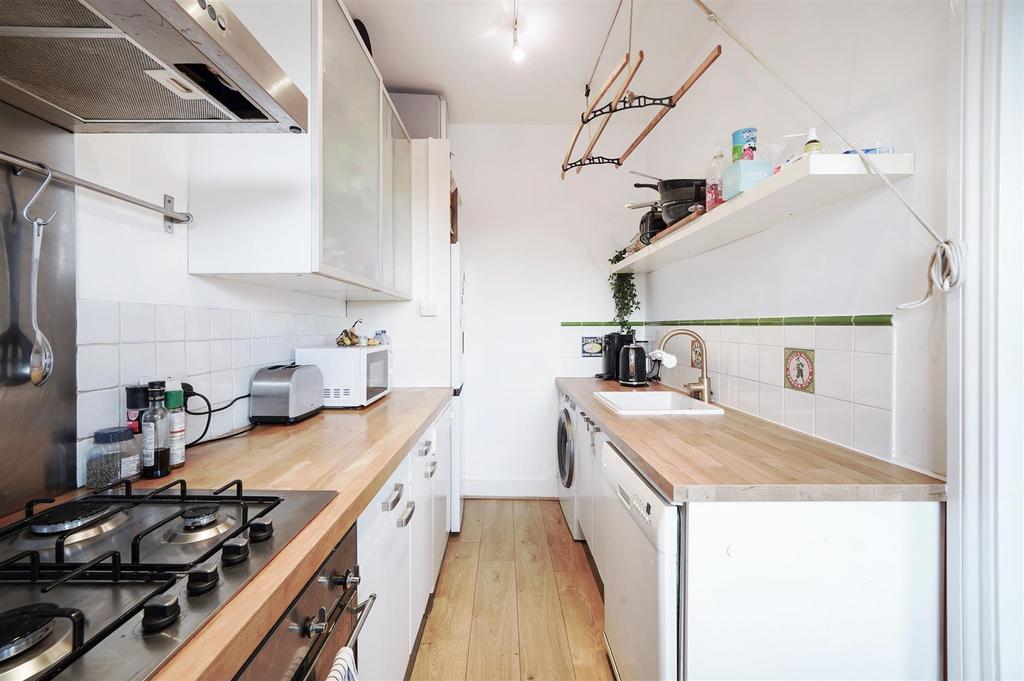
[41, 359]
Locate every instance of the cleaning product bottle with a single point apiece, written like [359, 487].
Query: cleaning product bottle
[714, 179]
[812, 145]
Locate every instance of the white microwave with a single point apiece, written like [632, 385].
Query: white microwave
[353, 377]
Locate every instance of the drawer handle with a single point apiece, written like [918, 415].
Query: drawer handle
[426, 447]
[391, 502]
[410, 508]
[431, 470]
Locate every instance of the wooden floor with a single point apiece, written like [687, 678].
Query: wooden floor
[515, 600]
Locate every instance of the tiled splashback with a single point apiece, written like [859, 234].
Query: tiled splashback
[216, 350]
[831, 377]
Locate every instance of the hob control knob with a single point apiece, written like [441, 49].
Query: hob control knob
[235, 551]
[261, 529]
[160, 612]
[202, 578]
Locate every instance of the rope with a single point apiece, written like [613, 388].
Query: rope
[945, 270]
[604, 45]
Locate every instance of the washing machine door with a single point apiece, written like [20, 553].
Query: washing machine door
[566, 449]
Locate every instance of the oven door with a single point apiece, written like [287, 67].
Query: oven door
[378, 373]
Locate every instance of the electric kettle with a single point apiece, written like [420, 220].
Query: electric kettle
[633, 365]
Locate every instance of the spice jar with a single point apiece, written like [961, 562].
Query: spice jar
[114, 456]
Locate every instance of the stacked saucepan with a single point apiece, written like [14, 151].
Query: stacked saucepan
[676, 200]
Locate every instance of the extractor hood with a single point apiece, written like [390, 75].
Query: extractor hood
[142, 66]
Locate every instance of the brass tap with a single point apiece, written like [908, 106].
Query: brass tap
[700, 390]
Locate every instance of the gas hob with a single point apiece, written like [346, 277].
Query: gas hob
[109, 585]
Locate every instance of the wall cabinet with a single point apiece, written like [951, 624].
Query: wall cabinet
[400, 546]
[327, 212]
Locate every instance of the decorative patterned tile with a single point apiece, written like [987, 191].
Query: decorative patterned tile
[798, 369]
[696, 356]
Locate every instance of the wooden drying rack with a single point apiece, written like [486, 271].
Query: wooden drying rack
[621, 102]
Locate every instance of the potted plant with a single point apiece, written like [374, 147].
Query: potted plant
[623, 286]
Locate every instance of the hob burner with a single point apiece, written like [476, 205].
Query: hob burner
[24, 627]
[68, 516]
[196, 517]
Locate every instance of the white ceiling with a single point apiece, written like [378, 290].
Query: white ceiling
[462, 49]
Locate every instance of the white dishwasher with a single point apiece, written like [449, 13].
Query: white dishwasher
[641, 591]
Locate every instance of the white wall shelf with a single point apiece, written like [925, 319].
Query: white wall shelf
[801, 187]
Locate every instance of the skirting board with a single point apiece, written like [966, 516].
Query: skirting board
[510, 488]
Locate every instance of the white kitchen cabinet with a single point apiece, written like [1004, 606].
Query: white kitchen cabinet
[442, 481]
[588, 461]
[324, 212]
[383, 545]
[421, 535]
[602, 544]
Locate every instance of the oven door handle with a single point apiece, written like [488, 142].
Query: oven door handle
[362, 611]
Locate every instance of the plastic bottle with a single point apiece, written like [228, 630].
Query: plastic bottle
[714, 179]
[156, 446]
[174, 400]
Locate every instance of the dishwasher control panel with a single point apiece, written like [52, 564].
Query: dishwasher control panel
[657, 518]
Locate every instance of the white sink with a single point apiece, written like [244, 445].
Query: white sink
[655, 403]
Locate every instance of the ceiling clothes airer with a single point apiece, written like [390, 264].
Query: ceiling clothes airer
[945, 269]
[624, 99]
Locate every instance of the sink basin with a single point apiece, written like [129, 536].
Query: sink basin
[655, 403]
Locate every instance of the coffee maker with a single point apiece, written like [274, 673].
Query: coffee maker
[613, 344]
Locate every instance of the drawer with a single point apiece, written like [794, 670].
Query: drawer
[374, 517]
[423, 451]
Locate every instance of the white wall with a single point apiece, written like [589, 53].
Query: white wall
[879, 70]
[535, 253]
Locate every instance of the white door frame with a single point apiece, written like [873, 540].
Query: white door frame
[985, 601]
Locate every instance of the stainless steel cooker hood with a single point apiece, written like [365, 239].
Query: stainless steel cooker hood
[142, 66]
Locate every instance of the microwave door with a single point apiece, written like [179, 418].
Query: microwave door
[376, 374]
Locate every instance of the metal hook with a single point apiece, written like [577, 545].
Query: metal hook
[39, 222]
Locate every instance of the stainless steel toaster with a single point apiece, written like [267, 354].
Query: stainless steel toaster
[286, 393]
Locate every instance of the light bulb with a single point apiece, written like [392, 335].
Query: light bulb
[517, 54]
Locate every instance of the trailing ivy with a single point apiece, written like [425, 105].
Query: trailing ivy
[623, 286]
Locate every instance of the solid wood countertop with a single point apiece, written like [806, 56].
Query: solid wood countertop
[739, 457]
[352, 452]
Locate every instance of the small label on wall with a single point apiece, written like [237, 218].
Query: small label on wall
[799, 369]
[591, 346]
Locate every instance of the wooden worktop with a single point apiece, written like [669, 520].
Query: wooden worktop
[739, 457]
[352, 452]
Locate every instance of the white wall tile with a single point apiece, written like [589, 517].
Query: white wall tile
[880, 339]
[799, 336]
[872, 380]
[276, 350]
[770, 360]
[222, 390]
[748, 360]
[197, 324]
[220, 355]
[730, 359]
[241, 382]
[727, 387]
[714, 358]
[170, 323]
[798, 410]
[220, 324]
[98, 367]
[220, 424]
[82, 448]
[259, 324]
[569, 345]
[749, 334]
[747, 396]
[260, 352]
[872, 430]
[769, 402]
[138, 323]
[170, 359]
[833, 374]
[197, 357]
[772, 335]
[241, 324]
[241, 353]
[194, 423]
[98, 322]
[240, 414]
[98, 409]
[730, 333]
[138, 362]
[833, 338]
[833, 420]
[713, 333]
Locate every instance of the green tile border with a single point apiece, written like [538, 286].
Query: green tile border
[823, 320]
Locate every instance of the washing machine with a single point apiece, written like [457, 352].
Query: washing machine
[570, 425]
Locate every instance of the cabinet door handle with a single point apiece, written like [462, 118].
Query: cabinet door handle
[391, 502]
[431, 469]
[410, 508]
[426, 448]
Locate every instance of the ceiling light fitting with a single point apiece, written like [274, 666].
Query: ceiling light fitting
[517, 52]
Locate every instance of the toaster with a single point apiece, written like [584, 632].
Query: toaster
[286, 393]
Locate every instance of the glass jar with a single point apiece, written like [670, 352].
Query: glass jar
[114, 456]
